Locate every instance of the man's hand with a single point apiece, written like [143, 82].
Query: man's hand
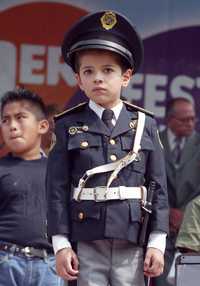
[67, 264]
[154, 262]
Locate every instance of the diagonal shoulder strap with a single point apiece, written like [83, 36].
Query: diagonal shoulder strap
[133, 154]
[117, 166]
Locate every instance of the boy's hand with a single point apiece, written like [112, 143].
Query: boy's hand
[154, 262]
[67, 264]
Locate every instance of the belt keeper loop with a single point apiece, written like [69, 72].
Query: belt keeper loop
[143, 197]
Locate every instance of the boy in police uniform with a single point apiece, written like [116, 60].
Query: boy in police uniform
[107, 153]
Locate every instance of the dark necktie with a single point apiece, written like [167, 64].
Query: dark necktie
[177, 151]
[107, 117]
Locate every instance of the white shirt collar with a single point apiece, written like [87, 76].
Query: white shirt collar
[172, 139]
[98, 109]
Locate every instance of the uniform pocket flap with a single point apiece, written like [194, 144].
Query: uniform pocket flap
[147, 144]
[83, 141]
[80, 212]
[127, 142]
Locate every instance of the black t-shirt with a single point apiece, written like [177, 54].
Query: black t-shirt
[23, 201]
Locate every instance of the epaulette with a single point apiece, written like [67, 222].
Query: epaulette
[75, 108]
[139, 108]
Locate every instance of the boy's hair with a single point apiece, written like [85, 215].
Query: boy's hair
[21, 94]
[120, 60]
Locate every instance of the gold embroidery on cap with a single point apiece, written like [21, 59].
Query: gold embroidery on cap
[108, 20]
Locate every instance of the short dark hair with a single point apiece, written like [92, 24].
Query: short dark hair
[22, 94]
[171, 103]
[121, 61]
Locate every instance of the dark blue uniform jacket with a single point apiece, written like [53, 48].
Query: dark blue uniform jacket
[71, 158]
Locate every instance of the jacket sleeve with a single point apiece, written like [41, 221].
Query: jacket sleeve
[156, 171]
[58, 184]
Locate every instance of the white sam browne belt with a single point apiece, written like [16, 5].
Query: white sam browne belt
[104, 193]
[100, 194]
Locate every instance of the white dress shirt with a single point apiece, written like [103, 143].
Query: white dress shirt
[172, 140]
[157, 239]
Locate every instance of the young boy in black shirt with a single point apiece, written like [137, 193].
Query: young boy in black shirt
[26, 257]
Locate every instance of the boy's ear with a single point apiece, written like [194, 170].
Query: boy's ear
[78, 80]
[43, 126]
[126, 77]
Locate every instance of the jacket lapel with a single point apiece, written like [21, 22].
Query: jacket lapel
[90, 119]
[123, 122]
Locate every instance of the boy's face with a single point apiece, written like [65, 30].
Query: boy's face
[21, 130]
[100, 77]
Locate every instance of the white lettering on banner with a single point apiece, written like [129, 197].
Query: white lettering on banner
[41, 64]
[55, 68]
[29, 64]
[155, 93]
[136, 84]
[198, 82]
[179, 83]
[38, 64]
[152, 89]
[7, 66]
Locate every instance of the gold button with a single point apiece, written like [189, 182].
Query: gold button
[81, 215]
[112, 142]
[72, 130]
[85, 128]
[84, 144]
[113, 157]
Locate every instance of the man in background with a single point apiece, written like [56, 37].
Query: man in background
[182, 154]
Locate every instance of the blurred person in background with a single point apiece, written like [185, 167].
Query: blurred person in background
[182, 154]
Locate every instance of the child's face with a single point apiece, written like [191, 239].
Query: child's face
[21, 130]
[100, 77]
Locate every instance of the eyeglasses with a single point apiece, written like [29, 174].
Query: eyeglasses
[187, 119]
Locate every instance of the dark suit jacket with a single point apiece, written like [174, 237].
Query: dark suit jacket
[68, 161]
[183, 183]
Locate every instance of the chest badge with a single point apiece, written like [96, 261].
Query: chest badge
[78, 129]
[72, 130]
[133, 124]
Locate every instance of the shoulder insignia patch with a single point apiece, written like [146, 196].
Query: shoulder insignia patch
[138, 108]
[75, 108]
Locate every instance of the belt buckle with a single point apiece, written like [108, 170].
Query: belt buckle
[96, 197]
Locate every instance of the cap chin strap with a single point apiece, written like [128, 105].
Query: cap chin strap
[101, 44]
[117, 166]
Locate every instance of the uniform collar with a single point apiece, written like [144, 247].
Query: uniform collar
[98, 109]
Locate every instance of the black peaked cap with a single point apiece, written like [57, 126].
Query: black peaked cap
[106, 30]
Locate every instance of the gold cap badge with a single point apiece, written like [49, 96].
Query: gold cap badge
[108, 20]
